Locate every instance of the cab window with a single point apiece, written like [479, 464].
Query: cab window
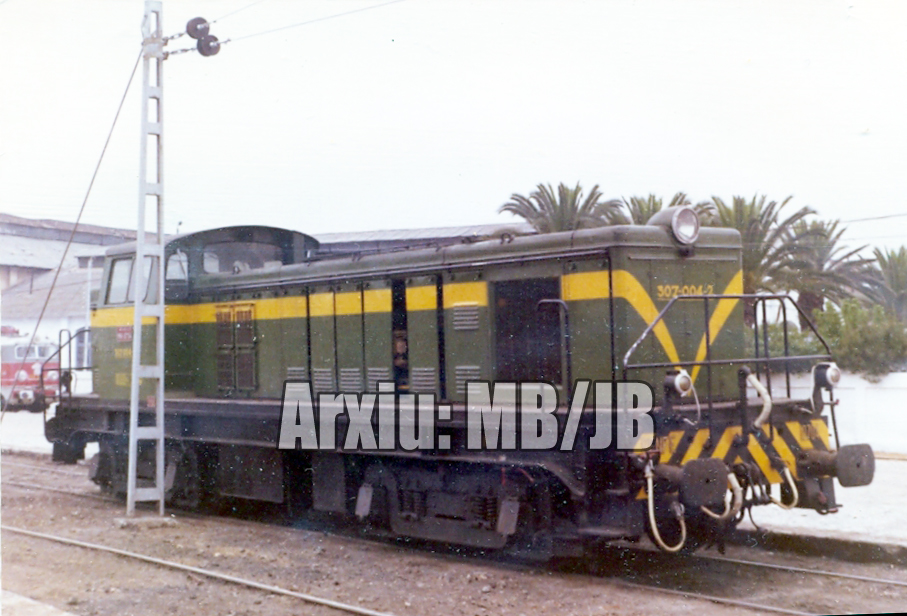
[120, 275]
[177, 266]
[119, 290]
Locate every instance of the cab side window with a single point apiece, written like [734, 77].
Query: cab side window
[177, 266]
[149, 270]
[120, 276]
[119, 289]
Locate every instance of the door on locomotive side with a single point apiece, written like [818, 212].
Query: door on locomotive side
[112, 327]
[181, 320]
[467, 332]
[585, 289]
[349, 332]
[530, 326]
[322, 332]
[237, 361]
[281, 339]
[418, 345]
[381, 303]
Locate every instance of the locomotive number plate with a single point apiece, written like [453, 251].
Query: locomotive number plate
[668, 291]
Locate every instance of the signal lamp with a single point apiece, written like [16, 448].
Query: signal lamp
[208, 45]
[197, 28]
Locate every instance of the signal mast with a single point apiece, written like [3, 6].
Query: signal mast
[149, 254]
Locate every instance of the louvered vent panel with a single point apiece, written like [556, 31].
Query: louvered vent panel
[422, 380]
[245, 326]
[225, 370]
[376, 375]
[245, 370]
[297, 372]
[350, 380]
[466, 317]
[224, 328]
[464, 374]
[323, 379]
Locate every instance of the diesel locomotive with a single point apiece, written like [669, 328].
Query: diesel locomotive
[251, 308]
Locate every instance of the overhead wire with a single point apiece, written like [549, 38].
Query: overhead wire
[214, 21]
[875, 218]
[72, 234]
[310, 21]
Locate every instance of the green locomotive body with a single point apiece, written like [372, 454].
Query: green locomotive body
[250, 308]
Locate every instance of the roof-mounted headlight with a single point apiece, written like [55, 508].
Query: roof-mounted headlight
[683, 221]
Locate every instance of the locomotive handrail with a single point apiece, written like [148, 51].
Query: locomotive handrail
[59, 368]
[564, 313]
[708, 362]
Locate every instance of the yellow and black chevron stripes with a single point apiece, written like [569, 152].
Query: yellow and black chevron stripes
[596, 285]
[719, 317]
[783, 442]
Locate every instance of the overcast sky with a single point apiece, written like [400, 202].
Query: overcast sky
[428, 113]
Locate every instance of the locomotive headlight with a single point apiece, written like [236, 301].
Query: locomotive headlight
[680, 382]
[685, 225]
[683, 222]
[827, 375]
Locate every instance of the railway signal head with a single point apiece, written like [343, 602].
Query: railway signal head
[197, 27]
[208, 45]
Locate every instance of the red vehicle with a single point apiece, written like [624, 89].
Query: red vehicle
[21, 372]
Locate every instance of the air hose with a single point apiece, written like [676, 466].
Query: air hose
[650, 495]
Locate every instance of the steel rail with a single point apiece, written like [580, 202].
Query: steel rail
[791, 569]
[44, 469]
[35, 486]
[231, 579]
[713, 599]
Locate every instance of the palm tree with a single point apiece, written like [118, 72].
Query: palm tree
[769, 255]
[824, 269]
[893, 284]
[640, 209]
[566, 211]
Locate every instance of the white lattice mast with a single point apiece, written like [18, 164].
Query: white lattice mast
[149, 309]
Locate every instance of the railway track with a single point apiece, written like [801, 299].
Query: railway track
[649, 560]
[223, 577]
[45, 469]
[353, 609]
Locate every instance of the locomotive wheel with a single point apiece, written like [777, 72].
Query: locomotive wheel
[186, 492]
